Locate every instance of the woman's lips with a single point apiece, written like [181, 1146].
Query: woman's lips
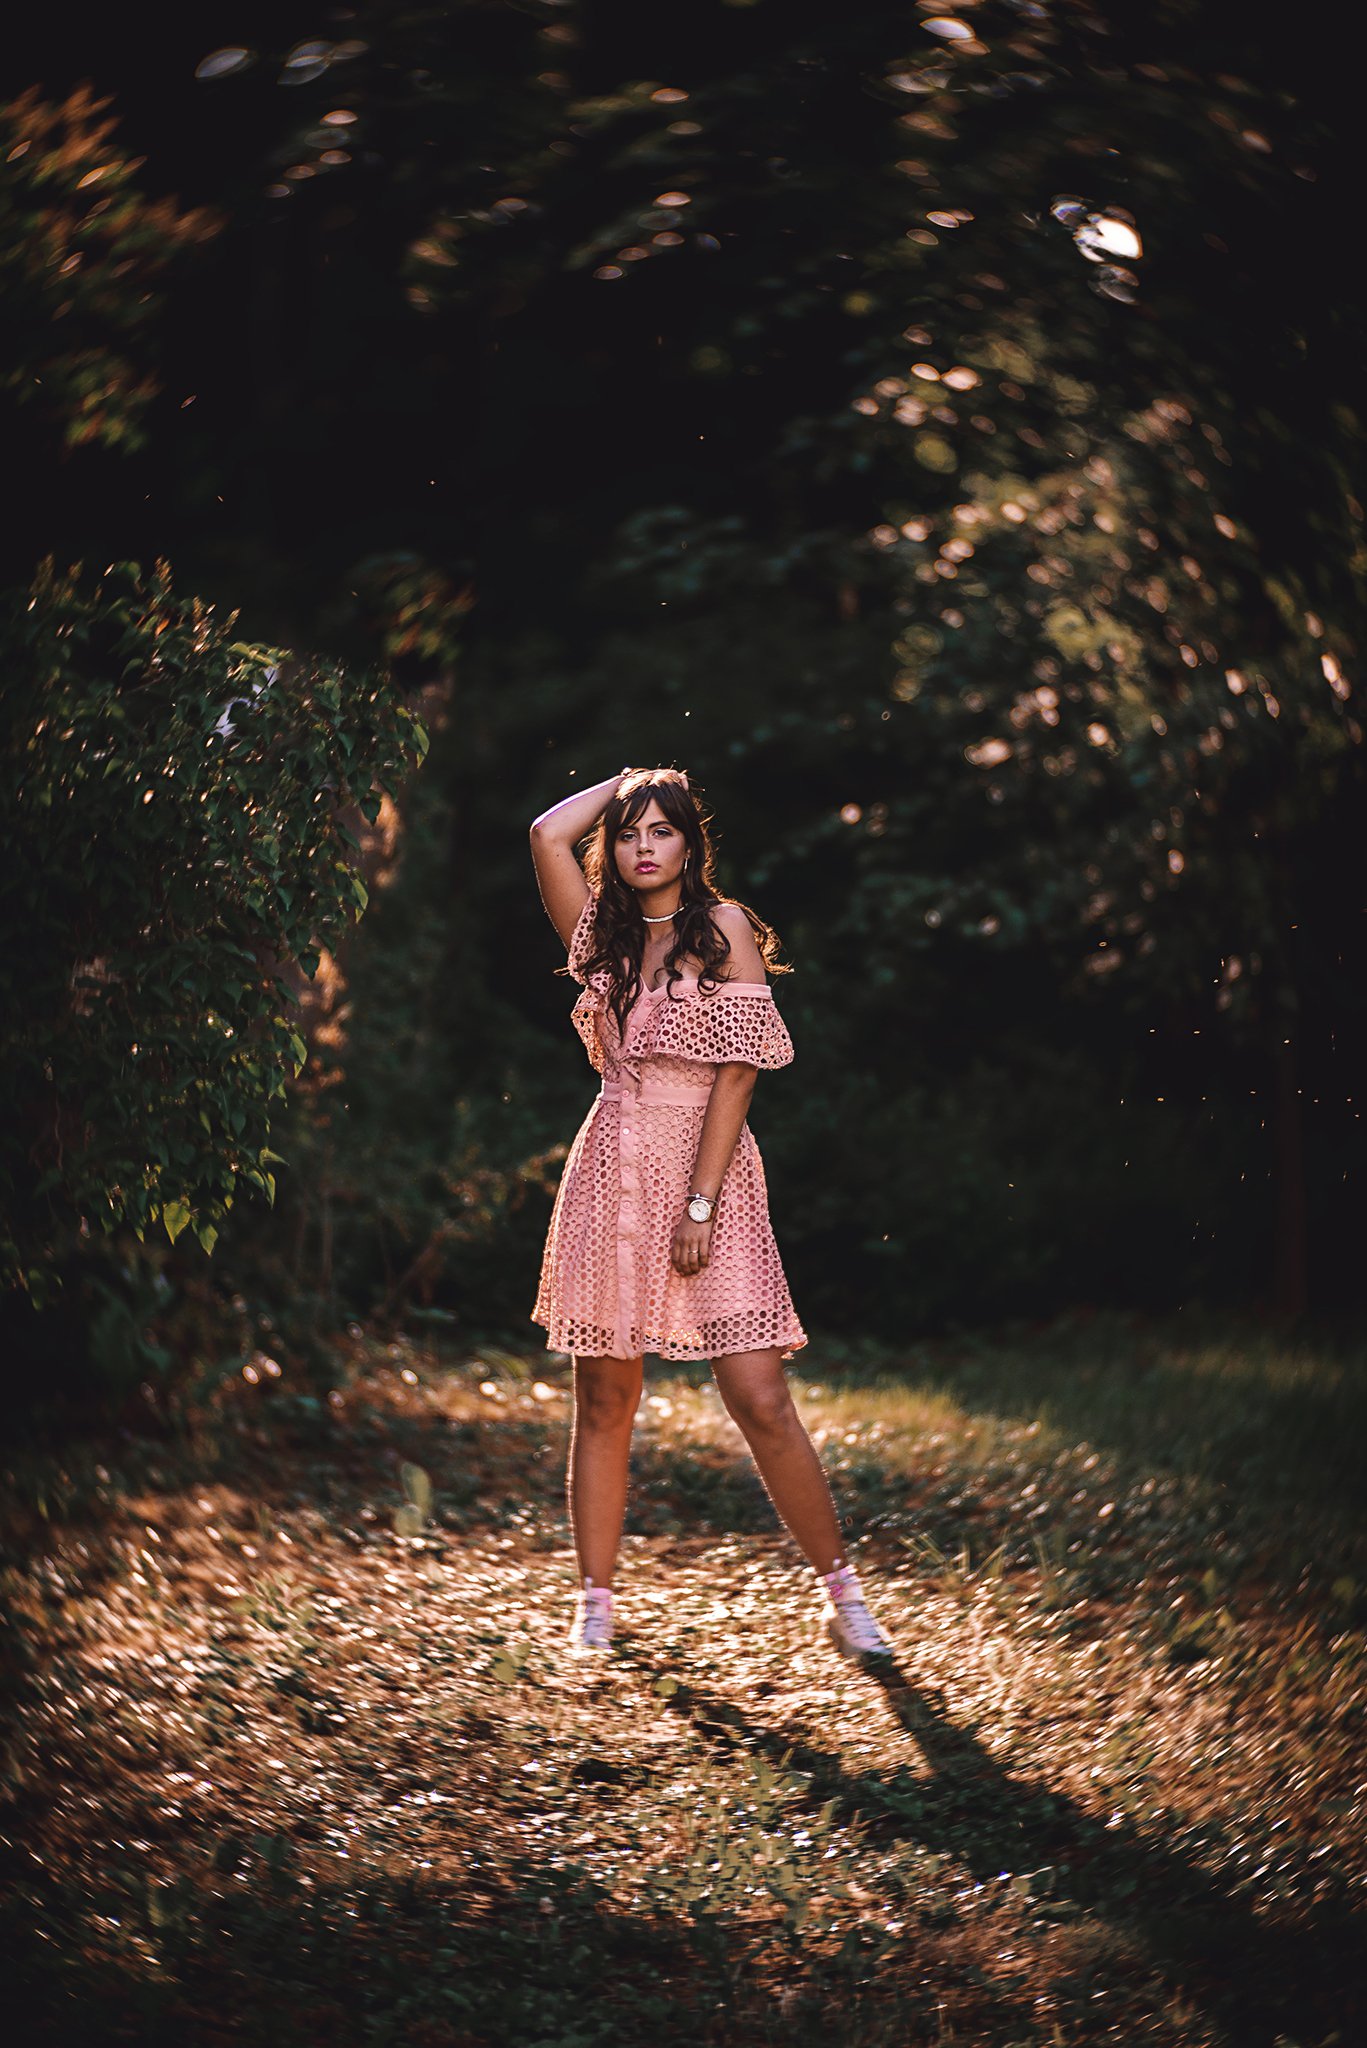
[647, 868]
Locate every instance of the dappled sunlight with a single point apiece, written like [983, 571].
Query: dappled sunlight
[943, 433]
[326, 1639]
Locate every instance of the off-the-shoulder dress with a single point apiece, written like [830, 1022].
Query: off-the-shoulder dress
[608, 1286]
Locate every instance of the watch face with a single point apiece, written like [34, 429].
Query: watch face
[699, 1211]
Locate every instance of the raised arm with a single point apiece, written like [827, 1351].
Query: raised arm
[554, 836]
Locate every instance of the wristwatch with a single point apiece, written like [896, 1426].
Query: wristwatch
[700, 1207]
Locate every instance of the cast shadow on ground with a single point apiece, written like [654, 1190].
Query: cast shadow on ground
[1257, 1981]
[1262, 1983]
[531, 1954]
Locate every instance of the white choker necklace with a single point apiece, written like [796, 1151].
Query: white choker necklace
[659, 920]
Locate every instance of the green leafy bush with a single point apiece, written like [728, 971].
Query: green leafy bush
[175, 850]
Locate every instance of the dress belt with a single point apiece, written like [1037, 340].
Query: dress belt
[644, 1090]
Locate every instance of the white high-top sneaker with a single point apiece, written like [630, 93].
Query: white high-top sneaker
[849, 1625]
[591, 1630]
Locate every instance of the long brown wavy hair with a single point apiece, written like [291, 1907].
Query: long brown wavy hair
[618, 935]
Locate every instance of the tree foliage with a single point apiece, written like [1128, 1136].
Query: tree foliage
[174, 835]
[934, 430]
[85, 260]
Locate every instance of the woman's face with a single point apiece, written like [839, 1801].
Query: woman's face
[650, 852]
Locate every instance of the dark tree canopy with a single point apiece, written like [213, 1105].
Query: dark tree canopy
[937, 431]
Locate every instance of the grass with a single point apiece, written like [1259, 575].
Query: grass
[293, 1753]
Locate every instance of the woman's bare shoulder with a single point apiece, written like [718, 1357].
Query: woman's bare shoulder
[744, 962]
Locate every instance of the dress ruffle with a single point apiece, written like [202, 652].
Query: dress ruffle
[736, 1020]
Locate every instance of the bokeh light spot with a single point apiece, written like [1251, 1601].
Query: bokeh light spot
[222, 63]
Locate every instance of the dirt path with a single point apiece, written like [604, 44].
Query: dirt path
[278, 1770]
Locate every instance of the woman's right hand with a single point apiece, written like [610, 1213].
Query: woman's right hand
[682, 774]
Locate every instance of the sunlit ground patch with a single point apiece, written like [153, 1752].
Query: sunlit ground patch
[295, 1738]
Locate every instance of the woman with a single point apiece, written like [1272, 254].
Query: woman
[660, 1237]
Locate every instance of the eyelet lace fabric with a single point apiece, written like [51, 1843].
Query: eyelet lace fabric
[608, 1288]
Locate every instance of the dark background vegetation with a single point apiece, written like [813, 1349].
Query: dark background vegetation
[572, 394]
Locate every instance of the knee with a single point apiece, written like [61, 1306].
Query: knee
[764, 1411]
[604, 1406]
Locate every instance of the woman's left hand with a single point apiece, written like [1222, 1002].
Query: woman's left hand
[692, 1245]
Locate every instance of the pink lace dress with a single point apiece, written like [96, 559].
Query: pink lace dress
[608, 1288]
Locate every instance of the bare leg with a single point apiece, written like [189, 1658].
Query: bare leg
[607, 1392]
[758, 1400]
